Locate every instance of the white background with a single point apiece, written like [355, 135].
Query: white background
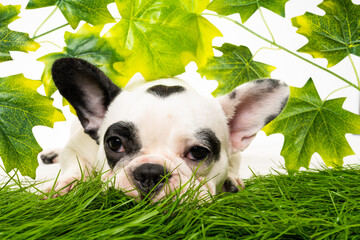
[264, 153]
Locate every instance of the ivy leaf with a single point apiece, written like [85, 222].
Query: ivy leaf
[246, 8]
[22, 108]
[334, 35]
[234, 67]
[311, 125]
[91, 11]
[12, 40]
[87, 45]
[164, 36]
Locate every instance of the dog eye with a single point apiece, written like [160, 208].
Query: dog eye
[115, 144]
[198, 153]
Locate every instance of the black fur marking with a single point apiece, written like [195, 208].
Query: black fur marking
[208, 138]
[49, 157]
[93, 133]
[273, 116]
[165, 91]
[229, 186]
[232, 94]
[272, 84]
[259, 81]
[87, 89]
[270, 118]
[284, 102]
[128, 133]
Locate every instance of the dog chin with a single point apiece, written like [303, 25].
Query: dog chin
[180, 180]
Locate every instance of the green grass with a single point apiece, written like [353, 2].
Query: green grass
[321, 204]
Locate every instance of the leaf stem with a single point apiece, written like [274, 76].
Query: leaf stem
[335, 92]
[356, 73]
[50, 31]
[46, 19]
[264, 48]
[283, 48]
[51, 44]
[267, 26]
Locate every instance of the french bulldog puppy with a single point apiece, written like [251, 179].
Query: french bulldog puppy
[156, 137]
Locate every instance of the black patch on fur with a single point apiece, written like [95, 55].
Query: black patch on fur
[48, 158]
[272, 84]
[273, 116]
[208, 138]
[232, 95]
[93, 133]
[284, 102]
[270, 118]
[165, 91]
[76, 80]
[229, 186]
[128, 133]
[259, 81]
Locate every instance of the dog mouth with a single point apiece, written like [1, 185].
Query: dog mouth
[145, 194]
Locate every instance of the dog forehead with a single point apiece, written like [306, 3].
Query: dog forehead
[169, 103]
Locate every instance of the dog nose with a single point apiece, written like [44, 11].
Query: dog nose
[149, 177]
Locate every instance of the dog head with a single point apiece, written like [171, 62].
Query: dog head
[159, 136]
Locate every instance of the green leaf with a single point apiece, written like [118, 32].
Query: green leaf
[22, 108]
[234, 67]
[334, 35]
[11, 40]
[92, 11]
[311, 125]
[246, 8]
[87, 45]
[164, 36]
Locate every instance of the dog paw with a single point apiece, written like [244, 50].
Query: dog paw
[233, 185]
[50, 156]
[63, 185]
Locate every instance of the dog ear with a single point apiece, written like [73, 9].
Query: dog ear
[87, 89]
[250, 107]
